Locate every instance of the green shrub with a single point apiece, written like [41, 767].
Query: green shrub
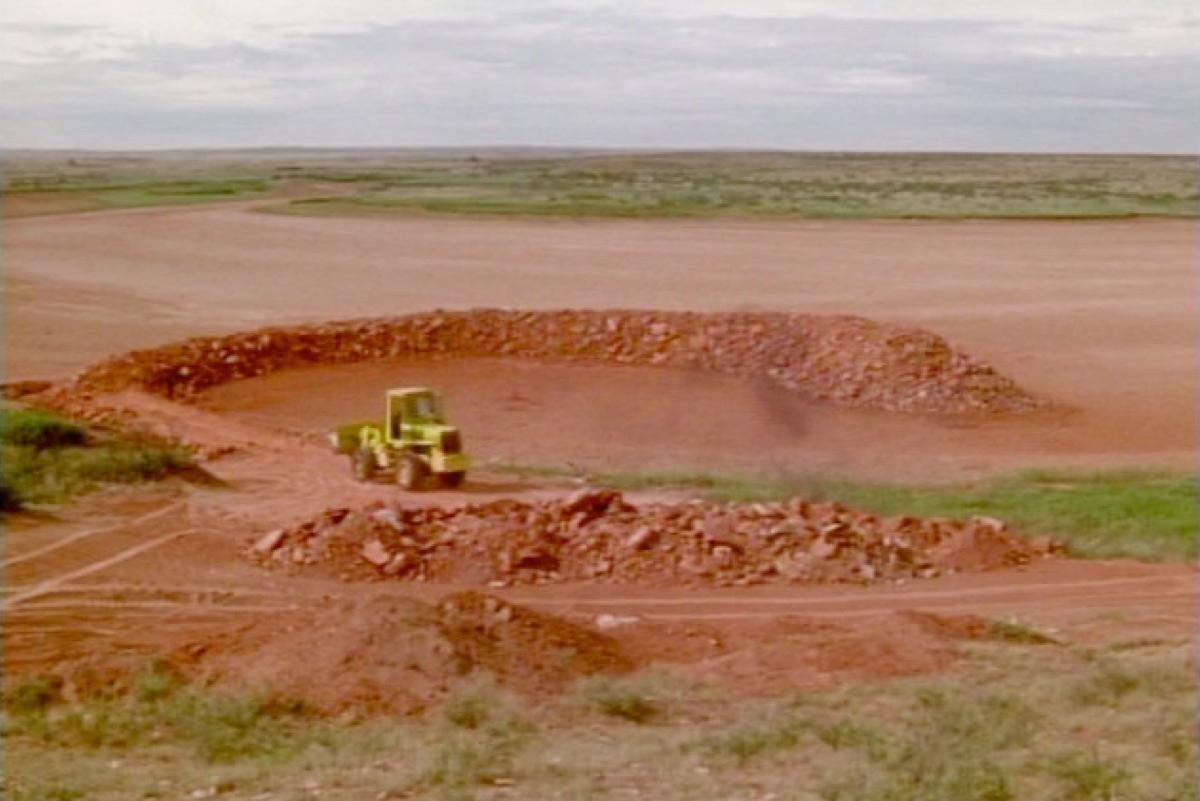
[227, 728]
[34, 471]
[482, 746]
[1015, 631]
[38, 429]
[127, 463]
[474, 707]
[32, 696]
[621, 698]
[156, 683]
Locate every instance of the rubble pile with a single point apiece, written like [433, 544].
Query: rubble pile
[849, 361]
[596, 535]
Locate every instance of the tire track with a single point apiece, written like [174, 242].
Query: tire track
[152, 605]
[82, 535]
[51, 584]
[1035, 592]
[1147, 593]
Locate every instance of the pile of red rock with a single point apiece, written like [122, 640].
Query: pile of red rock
[597, 536]
[845, 360]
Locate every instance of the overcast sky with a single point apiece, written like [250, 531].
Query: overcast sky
[1074, 75]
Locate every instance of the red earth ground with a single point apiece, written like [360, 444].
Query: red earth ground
[1100, 316]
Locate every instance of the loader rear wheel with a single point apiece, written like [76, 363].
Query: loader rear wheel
[452, 479]
[362, 465]
[409, 472]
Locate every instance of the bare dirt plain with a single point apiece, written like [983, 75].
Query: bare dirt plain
[1100, 316]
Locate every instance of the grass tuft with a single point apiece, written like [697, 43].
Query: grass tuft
[745, 742]
[1014, 630]
[629, 699]
[1111, 681]
[33, 696]
[477, 706]
[481, 746]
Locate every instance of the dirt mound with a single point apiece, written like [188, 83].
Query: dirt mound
[597, 536]
[845, 360]
[800, 653]
[524, 649]
[389, 655]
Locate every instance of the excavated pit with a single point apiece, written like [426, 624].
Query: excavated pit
[842, 360]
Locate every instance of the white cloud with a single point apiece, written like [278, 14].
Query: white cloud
[770, 73]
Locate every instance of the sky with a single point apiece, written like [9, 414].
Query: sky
[982, 75]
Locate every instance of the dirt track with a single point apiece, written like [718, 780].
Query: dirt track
[139, 572]
[1100, 316]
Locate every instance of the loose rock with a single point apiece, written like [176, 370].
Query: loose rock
[847, 361]
[507, 542]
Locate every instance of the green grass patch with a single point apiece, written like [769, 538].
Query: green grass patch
[38, 429]
[632, 699]
[482, 738]
[1144, 514]
[629, 185]
[1018, 632]
[812, 185]
[1089, 776]
[48, 459]
[220, 727]
[120, 191]
[529, 470]
[753, 739]
[1010, 723]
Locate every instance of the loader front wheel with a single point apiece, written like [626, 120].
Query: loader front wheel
[362, 465]
[452, 480]
[409, 472]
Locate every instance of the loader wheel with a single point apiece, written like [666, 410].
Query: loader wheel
[452, 479]
[362, 464]
[409, 472]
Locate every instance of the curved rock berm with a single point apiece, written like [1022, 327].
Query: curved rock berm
[848, 361]
[597, 536]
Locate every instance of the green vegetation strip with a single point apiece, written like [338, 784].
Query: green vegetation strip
[48, 459]
[1018, 721]
[1143, 514]
[651, 185]
[815, 185]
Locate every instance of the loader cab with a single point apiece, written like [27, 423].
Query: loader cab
[413, 405]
